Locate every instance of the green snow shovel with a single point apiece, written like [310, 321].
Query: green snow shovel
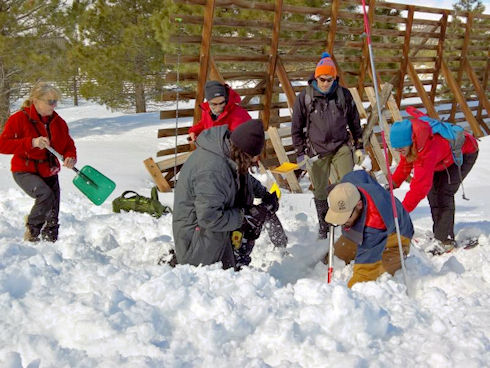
[96, 186]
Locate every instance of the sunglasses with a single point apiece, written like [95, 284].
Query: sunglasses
[215, 104]
[51, 102]
[328, 79]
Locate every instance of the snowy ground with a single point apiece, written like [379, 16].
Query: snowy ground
[97, 297]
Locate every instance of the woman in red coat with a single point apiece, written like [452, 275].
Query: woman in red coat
[435, 174]
[26, 135]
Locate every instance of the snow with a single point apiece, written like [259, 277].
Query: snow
[98, 298]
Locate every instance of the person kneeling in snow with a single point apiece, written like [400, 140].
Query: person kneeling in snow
[363, 208]
[214, 196]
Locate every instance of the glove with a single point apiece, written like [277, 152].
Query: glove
[253, 220]
[359, 156]
[359, 145]
[271, 202]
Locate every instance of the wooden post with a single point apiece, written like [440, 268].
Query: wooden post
[484, 87]
[269, 85]
[431, 111]
[454, 86]
[285, 84]
[462, 58]
[156, 174]
[365, 52]
[207, 29]
[214, 72]
[333, 26]
[440, 55]
[482, 96]
[406, 49]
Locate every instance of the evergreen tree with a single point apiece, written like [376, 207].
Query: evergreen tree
[120, 59]
[28, 41]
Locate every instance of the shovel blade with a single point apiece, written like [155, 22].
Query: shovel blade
[95, 185]
[285, 168]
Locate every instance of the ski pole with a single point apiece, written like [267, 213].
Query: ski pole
[330, 255]
[385, 150]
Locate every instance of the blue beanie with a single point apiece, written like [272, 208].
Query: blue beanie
[401, 134]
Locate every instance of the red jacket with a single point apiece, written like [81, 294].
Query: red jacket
[16, 139]
[233, 115]
[433, 154]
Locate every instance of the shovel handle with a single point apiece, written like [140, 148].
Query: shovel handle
[59, 157]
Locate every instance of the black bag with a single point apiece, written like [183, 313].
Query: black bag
[139, 203]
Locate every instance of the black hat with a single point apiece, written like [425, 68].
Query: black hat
[249, 137]
[214, 89]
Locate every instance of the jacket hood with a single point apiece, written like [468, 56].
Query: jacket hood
[233, 99]
[422, 132]
[216, 140]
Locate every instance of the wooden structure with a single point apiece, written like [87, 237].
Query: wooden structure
[271, 48]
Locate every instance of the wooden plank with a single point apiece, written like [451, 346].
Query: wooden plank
[358, 102]
[484, 87]
[440, 54]
[333, 26]
[214, 72]
[365, 53]
[282, 157]
[373, 118]
[406, 49]
[461, 100]
[431, 111]
[171, 151]
[269, 85]
[170, 132]
[164, 165]
[482, 96]
[157, 176]
[384, 124]
[462, 59]
[207, 29]
[285, 84]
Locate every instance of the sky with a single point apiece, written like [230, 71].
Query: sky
[98, 298]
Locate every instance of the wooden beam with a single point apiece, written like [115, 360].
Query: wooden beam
[157, 176]
[454, 86]
[365, 53]
[440, 55]
[269, 85]
[431, 111]
[462, 59]
[285, 84]
[333, 26]
[484, 87]
[406, 49]
[283, 157]
[214, 72]
[482, 96]
[373, 118]
[207, 29]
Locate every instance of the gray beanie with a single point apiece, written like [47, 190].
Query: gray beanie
[214, 89]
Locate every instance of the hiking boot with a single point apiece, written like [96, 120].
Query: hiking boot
[441, 247]
[50, 232]
[321, 210]
[31, 234]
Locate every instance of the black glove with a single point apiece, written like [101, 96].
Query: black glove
[253, 220]
[271, 202]
[359, 145]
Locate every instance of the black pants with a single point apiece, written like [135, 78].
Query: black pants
[46, 192]
[441, 196]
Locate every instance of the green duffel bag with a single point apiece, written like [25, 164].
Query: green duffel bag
[132, 201]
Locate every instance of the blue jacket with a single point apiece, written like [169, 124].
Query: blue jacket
[371, 241]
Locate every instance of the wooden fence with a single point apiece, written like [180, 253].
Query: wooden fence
[443, 61]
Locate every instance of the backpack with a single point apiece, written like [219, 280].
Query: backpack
[140, 203]
[453, 133]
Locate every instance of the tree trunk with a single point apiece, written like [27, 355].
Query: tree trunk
[139, 95]
[4, 98]
[75, 90]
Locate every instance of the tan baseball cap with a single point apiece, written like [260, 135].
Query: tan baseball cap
[341, 201]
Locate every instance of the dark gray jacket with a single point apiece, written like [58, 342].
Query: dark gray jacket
[205, 211]
[329, 119]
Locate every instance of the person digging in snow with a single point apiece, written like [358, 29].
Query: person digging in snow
[363, 208]
[214, 195]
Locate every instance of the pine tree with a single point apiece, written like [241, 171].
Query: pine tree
[120, 59]
[28, 42]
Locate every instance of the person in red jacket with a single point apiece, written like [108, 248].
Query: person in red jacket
[26, 135]
[435, 174]
[222, 108]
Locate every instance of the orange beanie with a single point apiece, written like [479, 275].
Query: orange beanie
[326, 66]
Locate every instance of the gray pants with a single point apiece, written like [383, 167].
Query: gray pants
[46, 192]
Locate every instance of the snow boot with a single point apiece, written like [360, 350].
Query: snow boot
[242, 254]
[50, 231]
[321, 210]
[441, 247]
[31, 234]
